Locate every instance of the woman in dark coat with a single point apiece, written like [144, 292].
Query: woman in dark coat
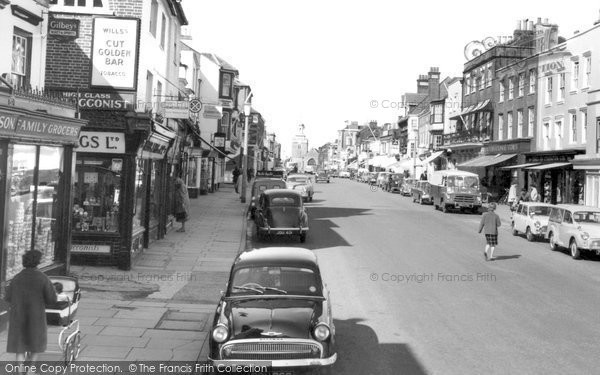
[28, 294]
[182, 203]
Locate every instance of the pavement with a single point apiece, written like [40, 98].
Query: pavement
[162, 309]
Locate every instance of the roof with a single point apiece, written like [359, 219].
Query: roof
[219, 61]
[281, 192]
[296, 256]
[578, 207]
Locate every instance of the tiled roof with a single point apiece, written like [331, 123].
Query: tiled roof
[219, 61]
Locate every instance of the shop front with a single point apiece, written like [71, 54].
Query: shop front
[552, 174]
[36, 165]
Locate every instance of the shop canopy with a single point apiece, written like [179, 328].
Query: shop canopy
[519, 166]
[353, 165]
[406, 164]
[382, 161]
[432, 157]
[486, 161]
[548, 166]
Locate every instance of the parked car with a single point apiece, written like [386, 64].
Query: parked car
[420, 192]
[280, 212]
[406, 188]
[276, 308]
[455, 189]
[382, 178]
[394, 182]
[576, 227]
[531, 218]
[322, 176]
[373, 178]
[302, 184]
[344, 174]
[262, 184]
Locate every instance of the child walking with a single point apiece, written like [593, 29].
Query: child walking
[490, 221]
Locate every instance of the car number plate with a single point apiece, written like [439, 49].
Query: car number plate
[282, 232]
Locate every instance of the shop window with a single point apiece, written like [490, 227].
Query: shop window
[34, 208]
[96, 194]
[21, 58]
[140, 195]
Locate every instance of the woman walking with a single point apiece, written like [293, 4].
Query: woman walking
[182, 203]
[490, 221]
[28, 294]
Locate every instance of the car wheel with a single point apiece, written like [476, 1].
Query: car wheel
[575, 252]
[530, 237]
[303, 237]
[553, 245]
[421, 200]
[414, 198]
[514, 231]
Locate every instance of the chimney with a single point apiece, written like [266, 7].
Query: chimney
[423, 84]
[434, 82]
[530, 26]
[518, 26]
[539, 20]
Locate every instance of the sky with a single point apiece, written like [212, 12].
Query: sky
[321, 62]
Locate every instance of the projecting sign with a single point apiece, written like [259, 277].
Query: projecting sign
[176, 109]
[114, 52]
[102, 142]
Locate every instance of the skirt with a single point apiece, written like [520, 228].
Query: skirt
[181, 217]
[492, 239]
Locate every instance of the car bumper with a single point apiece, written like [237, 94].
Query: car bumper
[283, 231]
[279, 363]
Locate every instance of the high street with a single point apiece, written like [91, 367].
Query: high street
[413, 294]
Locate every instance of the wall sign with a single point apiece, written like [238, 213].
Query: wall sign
[102, 142]
[89, 100]
[37, 127]
[103, 249]
[64, 30]
[115, 52]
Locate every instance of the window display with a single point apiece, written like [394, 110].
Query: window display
[96, 192]
[33, 203]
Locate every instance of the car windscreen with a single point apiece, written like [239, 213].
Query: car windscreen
[463, 182]
[540, 210]
[397, 177]
[284, 201]
[274, 280]
[587, 217]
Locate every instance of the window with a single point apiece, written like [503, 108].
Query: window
[532, 79]
[597, 134]
[489, 75]
[520, 123]
[21, 58]
[480, 77]
[511, 88]
[575, 76]
[521, 84]
[438, 140]
[584, 130]
[153, 17]
[548, 97]
[502, 90]
[546, 135]
[588, 71]
[531, 121]
[225, 122]
[509, 128]
[561, 87]
[80, 6]
[437, 113]
[500, 126]
[225, 85]
[149, 87]
[159, 92]
[468, 84]
[163, 30]
[573, 131]
[558, 131]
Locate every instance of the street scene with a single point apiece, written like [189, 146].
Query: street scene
[277, 188]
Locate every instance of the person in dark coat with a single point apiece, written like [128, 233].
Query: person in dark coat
[490, 221]
[182, 203]
[236, 174]
[28, 294]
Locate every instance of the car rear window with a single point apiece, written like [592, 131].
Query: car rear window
[536, 210]
[284, 201]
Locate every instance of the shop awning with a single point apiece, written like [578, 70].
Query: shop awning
[486, 160]
[481, 106]
[353, 165]
[549, 166]
[518, 166]
[432, 157]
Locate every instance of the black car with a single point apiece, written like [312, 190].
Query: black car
[280, 212]
[260, 185]
[276, 308]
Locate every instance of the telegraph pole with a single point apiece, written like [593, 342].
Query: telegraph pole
[247, 112]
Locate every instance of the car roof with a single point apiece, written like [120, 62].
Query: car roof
[578, 207]
[283, 256]
[539, 204]
[281, 193]
[267, 179]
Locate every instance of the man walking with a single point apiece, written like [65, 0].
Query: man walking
[490, 221]
[236, 174]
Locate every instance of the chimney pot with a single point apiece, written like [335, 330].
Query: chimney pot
[523, 25]
[539, 20]
[545, 21]
[530, 26]
[518, 25]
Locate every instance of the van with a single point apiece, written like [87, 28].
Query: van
[455, 189]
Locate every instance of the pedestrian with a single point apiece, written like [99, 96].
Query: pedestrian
[512, 196]
[28, 294]
[236, 174]
[423, 177]
[532, 195]
[182, 203]
[490, 221]
[523, 197]
[250, 174]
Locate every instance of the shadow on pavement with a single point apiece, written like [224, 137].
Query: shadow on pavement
[360, 352]
[323, 212]
[505, 257]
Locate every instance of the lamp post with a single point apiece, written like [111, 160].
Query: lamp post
[247, 111]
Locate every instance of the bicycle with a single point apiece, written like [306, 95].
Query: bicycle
[504, 198]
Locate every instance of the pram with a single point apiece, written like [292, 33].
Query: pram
[62, 313]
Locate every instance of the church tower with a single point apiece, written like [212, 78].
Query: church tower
[299, 144]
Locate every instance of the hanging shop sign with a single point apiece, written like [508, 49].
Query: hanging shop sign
[212, 112]
[155, 147]
[102, 142]
[226, 103]
[115, 52]
[12, 124]
[219, 141]
[90, 100]
[63, 30]
[176, 109]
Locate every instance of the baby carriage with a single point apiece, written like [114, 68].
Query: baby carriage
[61, 316]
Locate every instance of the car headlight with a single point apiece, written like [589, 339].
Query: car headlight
[321, 332]
[220, 333]
[478, 199]
[537, 224]
[585, 236]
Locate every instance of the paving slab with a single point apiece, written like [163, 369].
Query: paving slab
[123, 331]
[136, 323]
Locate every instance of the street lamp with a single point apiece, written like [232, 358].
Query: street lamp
[416, 142]
[247, 112]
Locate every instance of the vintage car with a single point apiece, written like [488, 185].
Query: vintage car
[394, 183]
[420, 192]
[576, 227]
[280, 212]
[407, 185]
[276, 308]
[262, 184]
[455, 189]
[302, 184]
[322, 177]
[372, 179]
[531, 218]
[382, 178]
[344, 174]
